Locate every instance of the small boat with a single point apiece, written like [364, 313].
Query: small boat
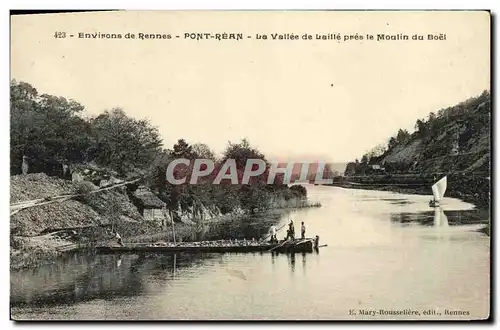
[438, 191]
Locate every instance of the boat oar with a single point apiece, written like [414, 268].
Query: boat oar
[278, 245]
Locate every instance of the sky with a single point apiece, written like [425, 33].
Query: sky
[293, 99]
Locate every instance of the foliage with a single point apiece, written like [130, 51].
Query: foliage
[46, 129]
[299, 190]
[124, 143]
[226, 197]
[464, 128]
[50, 131]
[84, 188]
[203, 151]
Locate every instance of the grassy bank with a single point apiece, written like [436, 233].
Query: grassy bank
[26, 253]
[230, 226]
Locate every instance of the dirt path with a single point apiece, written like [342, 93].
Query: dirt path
[16, 207]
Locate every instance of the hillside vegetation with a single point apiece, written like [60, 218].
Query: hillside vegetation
[453, 140]
[53, 142]
[50, 133]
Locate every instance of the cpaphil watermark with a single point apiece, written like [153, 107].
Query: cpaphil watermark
[231, 171]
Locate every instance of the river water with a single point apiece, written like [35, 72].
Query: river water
[386, 253]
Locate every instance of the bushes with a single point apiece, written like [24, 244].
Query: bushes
[299, 191]
[84, 190]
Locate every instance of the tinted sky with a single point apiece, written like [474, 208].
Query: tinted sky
[322, 100]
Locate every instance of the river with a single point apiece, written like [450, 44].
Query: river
[386, 253]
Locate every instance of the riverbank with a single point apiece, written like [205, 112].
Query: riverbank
[467, 187]
[29, 252]
[412, 188]
[476, 200]
[38, 234]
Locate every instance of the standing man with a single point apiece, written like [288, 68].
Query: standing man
[303, 231]
[25, 166]
[273, 234]
[291, 230]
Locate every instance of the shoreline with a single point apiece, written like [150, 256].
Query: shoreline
[32, 254]
[479, 204]
[478, 200]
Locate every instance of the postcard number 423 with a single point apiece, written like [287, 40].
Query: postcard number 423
[60, 34]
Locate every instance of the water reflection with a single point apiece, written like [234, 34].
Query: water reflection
[86, 277]
[291, 261]
[175, 265]
[440, 219]
[403, 260]
[304, 258]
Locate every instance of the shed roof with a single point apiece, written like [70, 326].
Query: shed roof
[148, 199]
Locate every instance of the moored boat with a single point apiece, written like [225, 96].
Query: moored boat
[221, 246]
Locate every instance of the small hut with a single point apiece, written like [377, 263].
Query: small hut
[150, 207]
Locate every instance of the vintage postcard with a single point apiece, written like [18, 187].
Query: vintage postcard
[250, 165]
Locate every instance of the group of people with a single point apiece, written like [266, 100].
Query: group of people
[290, 234]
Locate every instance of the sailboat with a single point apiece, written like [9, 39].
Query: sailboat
[438, 191]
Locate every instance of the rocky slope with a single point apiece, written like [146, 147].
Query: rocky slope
[455, 142]
[457, 139]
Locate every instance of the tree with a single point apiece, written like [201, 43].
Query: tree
[392, 143]
[402, 136]
[253, 195]
[203, 151]
[376, 152]
[123, 143]
[422, 128]
[420, 125]
[432, 117]
[46, 129]
[299, 191]
[182, 149]
[241, 152]
[112, 213]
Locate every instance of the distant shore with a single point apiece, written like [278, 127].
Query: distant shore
[470, 189]
[477, 199]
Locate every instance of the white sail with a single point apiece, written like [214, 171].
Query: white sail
[439, 189]
[440, 219]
